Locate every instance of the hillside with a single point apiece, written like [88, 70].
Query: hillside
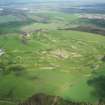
[45, 49]
[49, 63]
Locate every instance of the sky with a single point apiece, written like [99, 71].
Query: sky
[84, 1]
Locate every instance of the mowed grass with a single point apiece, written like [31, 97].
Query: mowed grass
[56, 62]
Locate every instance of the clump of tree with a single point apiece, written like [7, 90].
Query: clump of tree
[17, 69]
[9, 65]
[98, 83]
[103, 58]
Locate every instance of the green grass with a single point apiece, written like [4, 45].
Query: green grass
[49, 73]
[57, 62]
[4, 103]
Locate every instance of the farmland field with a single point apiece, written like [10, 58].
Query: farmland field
[47, 52]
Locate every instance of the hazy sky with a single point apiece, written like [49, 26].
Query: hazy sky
[85, 1]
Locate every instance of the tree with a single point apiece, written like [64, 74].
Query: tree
[98, 84]
[8, 65]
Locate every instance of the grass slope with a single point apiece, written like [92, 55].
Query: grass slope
[56, 62]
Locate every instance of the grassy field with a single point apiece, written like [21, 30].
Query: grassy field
[40, 58]
[56, 63]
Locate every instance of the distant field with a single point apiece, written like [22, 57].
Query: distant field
[32, 21]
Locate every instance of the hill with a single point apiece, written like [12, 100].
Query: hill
[54, 62]
[46, 50]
